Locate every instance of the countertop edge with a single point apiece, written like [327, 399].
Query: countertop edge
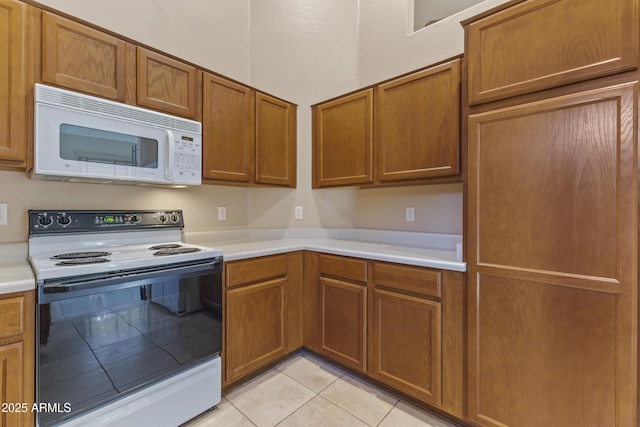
[233, 251]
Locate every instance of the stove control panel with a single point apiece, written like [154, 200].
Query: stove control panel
[70, 221]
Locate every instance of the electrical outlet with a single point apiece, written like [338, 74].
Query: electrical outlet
[222, 213]
[411, 214]
[298, 213]
[3, 213]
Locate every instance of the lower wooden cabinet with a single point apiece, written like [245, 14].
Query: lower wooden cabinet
[406, 344]
[401, 325]
[342, 322]
[263, 312]
[17, 357]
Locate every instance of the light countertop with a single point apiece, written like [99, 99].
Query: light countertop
[420, 249]
[15, 271]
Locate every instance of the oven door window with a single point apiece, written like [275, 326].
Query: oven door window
[96, 347]
[85, 144]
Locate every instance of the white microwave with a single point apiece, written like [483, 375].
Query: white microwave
[84, 138]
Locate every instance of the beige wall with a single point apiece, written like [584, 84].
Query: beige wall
[198, 203]
[304, 51]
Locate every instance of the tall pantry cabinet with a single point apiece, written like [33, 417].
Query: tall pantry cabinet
[552, 213]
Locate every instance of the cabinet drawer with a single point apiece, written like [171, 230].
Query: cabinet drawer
[11, 316]
[347, 268]
[411, 279]
[531, 46]
[246, 272]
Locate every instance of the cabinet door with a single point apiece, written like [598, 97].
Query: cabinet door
[343, 316]
[227, 130]
[17, 357]
[417, 127]
[540, 44]
[81, 58]
[275, 141]
[405, 357]
[13, 84]
[12, 386]
[255, 317]
[167, 85]
[343, 141]
[553, 193]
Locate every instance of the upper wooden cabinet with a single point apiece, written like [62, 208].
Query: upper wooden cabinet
[228, 115]
[249, 138]
[14, 81]
[167, 85]
[275, 133]
[81, 58]
[343, 141]
[539, 44]
[411, 136]
[417, 125]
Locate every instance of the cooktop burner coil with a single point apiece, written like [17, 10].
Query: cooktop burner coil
[76, 255]
[83, 261]
[176, 251]
[165, 246]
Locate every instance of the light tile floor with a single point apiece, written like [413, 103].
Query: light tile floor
[306, 391]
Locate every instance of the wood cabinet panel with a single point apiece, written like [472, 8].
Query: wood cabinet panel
[343, 322]
[263, 311]
[407, 344]
[541, 44]
[12, 383]
[410, 279]
[253, 270]
[541, 355]
[343, 267]
[17, 357]
[275, 134]
[12, 312]
[570, 223]
[227, 130]
[552, 199]
[13, 85]
[167, 85]
[81, 58]
[255, 317]
[343, 141]
[417, 125]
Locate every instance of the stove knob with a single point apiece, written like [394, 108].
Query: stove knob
[45, 220]
[64, 220]
[162, 218]
[135, 218]
[175, 217]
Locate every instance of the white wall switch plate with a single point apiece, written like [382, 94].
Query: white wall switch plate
[298, 213]
[3, 214]
[411, 214]
[222, 213]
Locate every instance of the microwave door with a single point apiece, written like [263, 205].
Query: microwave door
[78, 144]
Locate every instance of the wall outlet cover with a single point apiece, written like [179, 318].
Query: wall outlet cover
[411, 214]
[298, 212]
[4, 208]
[222, 213]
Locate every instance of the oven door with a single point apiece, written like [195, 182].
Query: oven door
[100, 342]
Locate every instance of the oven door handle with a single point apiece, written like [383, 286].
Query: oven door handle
[134, 276]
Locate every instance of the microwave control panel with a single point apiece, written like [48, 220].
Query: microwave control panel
[187, 159]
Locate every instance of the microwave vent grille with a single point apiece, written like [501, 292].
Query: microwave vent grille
[89, 104]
